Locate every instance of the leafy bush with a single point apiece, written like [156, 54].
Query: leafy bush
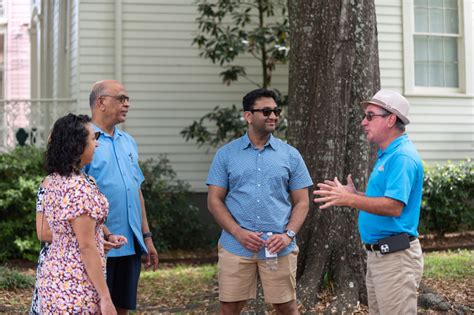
[172, 218]
[448, 204]
[10, 279]
[21, 172]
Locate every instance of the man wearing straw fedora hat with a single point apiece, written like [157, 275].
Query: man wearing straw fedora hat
[389, 210]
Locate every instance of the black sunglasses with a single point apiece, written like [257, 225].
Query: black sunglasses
[369, 116]
[97, 135]
[267, 111]
[121, 98]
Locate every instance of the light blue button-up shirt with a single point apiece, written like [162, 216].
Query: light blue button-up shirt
[119, 177]
[259, 182]
[397, 174]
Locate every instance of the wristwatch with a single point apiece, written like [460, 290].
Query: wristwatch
[291, 234]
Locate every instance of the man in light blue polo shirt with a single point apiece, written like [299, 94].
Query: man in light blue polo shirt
[258, 184]
[118, 175]
[390, 207]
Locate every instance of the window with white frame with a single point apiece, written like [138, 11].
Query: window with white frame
[436, 43]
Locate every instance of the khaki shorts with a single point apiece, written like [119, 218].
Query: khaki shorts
[238, 278]
[392, 280]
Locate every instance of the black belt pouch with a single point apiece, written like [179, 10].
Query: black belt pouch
[394, 243]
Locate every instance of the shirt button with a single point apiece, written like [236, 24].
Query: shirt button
[258, 217]
[258, 200]
[258, 185]
[258, 169]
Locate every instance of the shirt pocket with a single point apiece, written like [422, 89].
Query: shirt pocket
[279, 179]
[135, 171]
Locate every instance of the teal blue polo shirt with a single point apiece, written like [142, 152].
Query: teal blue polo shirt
[119, 177]
[397, 174]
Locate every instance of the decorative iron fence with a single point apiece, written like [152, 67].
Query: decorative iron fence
[29, 121]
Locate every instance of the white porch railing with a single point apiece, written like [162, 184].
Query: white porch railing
[34, 116]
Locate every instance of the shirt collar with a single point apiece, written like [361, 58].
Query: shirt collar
[393, 145]
[117, 132]
[245, 142]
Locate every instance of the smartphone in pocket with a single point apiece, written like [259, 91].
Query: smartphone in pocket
[394, 243]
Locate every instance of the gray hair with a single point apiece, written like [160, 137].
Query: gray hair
[398, 124]
[97, 91]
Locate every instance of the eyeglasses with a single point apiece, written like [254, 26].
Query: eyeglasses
[97, 135]
[369, 116]
[267, 111]
[121, 98]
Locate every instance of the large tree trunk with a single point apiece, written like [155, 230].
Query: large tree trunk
[333, 67]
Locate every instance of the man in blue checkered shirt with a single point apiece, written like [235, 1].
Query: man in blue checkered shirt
[258, 184]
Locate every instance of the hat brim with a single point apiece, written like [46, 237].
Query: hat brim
[404, 119]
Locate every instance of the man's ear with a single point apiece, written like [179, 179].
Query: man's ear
[100, 104]
[392, 120]
[248, 117]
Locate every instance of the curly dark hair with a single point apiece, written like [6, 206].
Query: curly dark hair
[66, 144]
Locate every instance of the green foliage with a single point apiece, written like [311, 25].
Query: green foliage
[229, 125]
[174, 221]
[172, 218]
[11, 279]
[448, 203]
[227, 29]
[21, 172]
[449, 265]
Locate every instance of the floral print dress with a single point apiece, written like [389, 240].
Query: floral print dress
[35, 303]
[63, 284]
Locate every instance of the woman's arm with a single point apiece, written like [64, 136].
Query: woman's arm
[84, 228]
[44, 233]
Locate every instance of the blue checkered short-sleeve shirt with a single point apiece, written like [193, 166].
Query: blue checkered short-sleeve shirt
[259, 182]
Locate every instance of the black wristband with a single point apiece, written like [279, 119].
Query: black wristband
[147, 234]
[106, 236]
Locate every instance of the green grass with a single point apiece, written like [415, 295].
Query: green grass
[183, 283]
[451, 264]
[11, 279]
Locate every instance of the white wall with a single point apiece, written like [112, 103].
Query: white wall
[170, 85]
[441, 126]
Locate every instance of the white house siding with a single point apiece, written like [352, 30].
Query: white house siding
[95, 46]
[441, 127]
[169, 84]
[58, 47]
[73, 48]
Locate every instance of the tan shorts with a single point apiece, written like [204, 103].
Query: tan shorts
[238, 278]
[392, 280]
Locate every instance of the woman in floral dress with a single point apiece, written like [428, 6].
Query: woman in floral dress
[71, 279]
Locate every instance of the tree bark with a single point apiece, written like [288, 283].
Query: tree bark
[333, 67]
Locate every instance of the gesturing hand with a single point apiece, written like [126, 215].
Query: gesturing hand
[333, 193]
[250, 240]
